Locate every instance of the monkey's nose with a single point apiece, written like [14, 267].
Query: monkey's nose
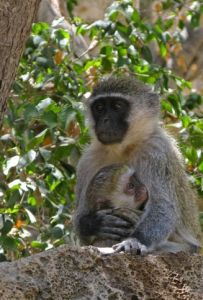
[106, 120]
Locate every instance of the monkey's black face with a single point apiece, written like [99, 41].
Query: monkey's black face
[110, 116]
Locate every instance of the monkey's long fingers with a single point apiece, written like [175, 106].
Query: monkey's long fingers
[108, 211]
[118, 247]
[114, 221]
[121, 232]
[129, 215]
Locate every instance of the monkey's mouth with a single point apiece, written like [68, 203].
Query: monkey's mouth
[107, 138]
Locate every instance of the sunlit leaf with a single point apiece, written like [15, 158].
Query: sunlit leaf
[37, 140]
[30, 216]
[11, 163]
[39, 245]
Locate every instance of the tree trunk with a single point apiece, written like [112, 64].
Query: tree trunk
[84, 274]
[16, 17]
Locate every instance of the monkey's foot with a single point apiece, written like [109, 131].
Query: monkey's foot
[131, 245]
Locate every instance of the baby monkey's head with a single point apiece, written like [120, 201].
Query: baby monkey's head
[118, 186]
[129, 191]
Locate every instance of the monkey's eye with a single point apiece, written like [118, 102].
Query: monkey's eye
[99, 107]
[130, 186]
[117, 106]
[130, 189]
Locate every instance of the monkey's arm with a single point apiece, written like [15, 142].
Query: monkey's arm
[160, 216]
[158, 221]
[152, 231]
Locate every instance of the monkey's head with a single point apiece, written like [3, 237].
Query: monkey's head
[117, 186]
[123, 106]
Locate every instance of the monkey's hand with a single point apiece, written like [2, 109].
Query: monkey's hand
[113, 226]
[131, 245]
[105, 224]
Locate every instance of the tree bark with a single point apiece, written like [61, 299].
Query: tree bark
[16, 17]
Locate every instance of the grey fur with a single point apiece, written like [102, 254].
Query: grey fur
[171, 213]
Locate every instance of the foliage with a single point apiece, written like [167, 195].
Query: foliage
[70, 6]
[44, 130]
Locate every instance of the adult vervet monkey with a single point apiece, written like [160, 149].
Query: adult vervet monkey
[124, 121]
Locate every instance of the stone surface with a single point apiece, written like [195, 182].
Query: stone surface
[83, 274]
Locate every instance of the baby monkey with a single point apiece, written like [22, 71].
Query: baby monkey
[118, 189]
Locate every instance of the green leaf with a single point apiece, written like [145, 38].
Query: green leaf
[30, 112]
[113, 14]
[39, 245]
[57, 22]
[146, 53]
[57, 232]
[8, 243]
[106, 64]
[186, 121]
[174, 100]
[106, 50]
[163, 50]
[27, 158]
[7, 227]
[200, 167]
[193, 100]
[191, 154]
[37, 140]
[37, 28]
[197, 138]
[42, 105]
[46, 154]
[166, 106]
[11, 163]
[135, 17]
[195, 20]
[37, 40]
[30, 216]
[50, 119]
[32, 201]
[13, 198]
[18, 184]
[62, 151]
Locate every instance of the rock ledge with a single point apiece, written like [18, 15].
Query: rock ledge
[82, 273]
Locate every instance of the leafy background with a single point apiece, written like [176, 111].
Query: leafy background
[44, 130]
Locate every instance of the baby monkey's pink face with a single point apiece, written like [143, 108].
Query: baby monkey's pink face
[130, 192]
[136, 189]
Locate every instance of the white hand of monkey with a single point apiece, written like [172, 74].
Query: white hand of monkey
[130, 245]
